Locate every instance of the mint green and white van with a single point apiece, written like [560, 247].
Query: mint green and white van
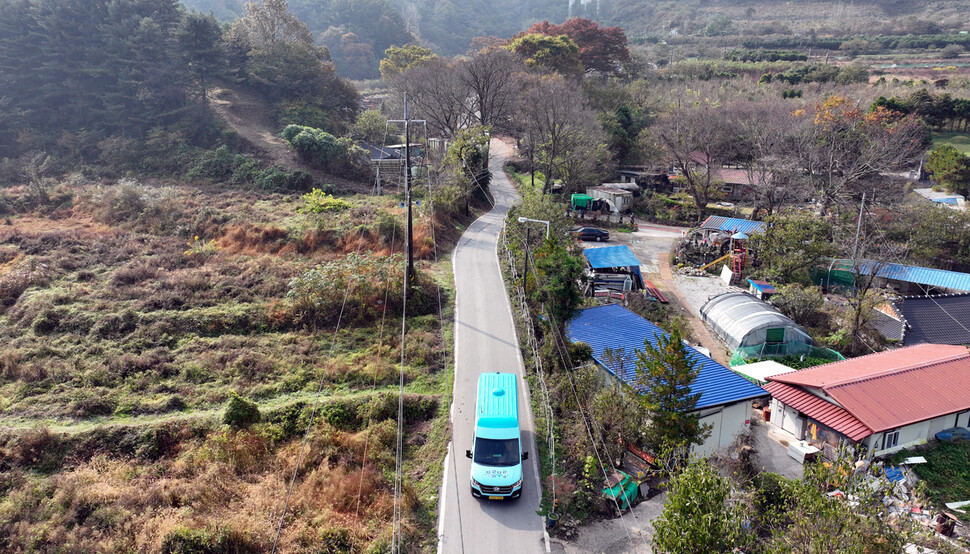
[497, 452]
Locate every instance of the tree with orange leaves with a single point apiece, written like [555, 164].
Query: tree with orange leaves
[847, 151]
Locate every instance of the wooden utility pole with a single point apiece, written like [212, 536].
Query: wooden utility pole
[409, 276]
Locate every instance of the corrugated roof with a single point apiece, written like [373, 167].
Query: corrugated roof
[611, 256]
[820, 410]
[942, 319]
[733, 225]
[613, 326]
[894, 388]
[913, 274]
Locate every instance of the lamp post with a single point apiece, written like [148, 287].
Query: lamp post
[524, 219]
[528, 234]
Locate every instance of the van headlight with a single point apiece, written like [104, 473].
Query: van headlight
[476, 484]
[517, 484]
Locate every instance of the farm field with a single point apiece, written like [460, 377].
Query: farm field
[132, 314]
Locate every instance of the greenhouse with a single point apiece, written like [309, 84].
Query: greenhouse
[746, 323]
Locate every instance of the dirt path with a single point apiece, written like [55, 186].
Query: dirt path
[701, 333]
[248, 115]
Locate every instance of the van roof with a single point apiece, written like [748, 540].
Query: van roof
[497, 400]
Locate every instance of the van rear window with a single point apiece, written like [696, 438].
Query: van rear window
[496, 452]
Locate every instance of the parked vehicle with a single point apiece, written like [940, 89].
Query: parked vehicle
[496, 472]
[593, 234]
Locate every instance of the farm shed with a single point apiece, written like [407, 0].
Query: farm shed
[619, 199]
[743, 321]
[902, 279]
[725, 401]
[882, 402]
[607, 264]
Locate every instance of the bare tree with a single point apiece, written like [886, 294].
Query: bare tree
[436, 94]
[844, 149]
[490, 81]
[767, 131]
[267, 22]
[697, 141]
[558, 128]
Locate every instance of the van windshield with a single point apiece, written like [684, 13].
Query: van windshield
[496, 452]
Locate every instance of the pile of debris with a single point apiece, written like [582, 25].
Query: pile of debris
[896, 485]
[691, 271]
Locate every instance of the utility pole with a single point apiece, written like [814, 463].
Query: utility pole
[525, 264]
[858, 228]
[409, 276]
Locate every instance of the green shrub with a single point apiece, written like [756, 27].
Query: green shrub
[301, 112]
[275, 178]
[771, 497]
[318, 201]
[240, 413]
[198, 541]
[325, 151]
[223, 166]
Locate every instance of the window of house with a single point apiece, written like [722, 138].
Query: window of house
[890, 439]
[775, 335]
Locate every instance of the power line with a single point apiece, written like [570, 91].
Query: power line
[316, 403]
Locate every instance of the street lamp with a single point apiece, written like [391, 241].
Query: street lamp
[525, 263]
[524, 219]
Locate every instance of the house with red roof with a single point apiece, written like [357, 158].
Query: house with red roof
[879, 403]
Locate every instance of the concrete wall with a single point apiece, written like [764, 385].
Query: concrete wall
[726, 423]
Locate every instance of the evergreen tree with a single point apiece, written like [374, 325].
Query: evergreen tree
[664, 377]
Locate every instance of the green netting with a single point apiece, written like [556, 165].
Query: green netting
[796, 350]
[838, 275]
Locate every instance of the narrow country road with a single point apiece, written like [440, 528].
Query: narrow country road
[485, 341]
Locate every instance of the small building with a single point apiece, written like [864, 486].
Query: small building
[613, 268]
[742, 321]
[937, 319]
[879, 403]
[759, 372]
[620, 200]
[906, 280]
[954, 201]
[725, 401]
[762, 290]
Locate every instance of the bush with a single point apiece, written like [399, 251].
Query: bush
[240, 413]
[275, 178]
[222, 166]
[325, 151]
[318, 201]
[199, 541]
[802, 304]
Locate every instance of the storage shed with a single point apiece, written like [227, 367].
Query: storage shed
[743, 321]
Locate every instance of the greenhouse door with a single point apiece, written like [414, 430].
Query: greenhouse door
[775, 336]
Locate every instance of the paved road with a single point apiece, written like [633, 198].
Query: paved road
[485, 340]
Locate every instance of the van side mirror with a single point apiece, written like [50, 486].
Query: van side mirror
[468, 453]
[525, 456]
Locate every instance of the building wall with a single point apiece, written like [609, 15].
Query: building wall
[726, 423]
[787, 418]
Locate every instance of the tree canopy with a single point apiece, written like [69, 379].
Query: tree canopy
[601, 49]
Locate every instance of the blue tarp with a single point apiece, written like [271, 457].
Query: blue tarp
[617, 328]
[733, 225]
[613, 256]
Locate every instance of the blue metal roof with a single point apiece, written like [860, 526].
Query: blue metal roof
[763, 286]
[919, 275]
[613, 326]
[733, 225]
[611, 256]
[948, 200]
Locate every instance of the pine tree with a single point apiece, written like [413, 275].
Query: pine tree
[664, 376]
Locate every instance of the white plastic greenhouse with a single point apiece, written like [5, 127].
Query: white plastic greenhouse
[743, 321]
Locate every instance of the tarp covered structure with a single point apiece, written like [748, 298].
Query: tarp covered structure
[742, 320]
[608, 257]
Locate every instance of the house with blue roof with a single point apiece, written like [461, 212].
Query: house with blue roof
[725, 401]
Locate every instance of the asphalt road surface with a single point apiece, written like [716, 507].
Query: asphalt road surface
[485, 341]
